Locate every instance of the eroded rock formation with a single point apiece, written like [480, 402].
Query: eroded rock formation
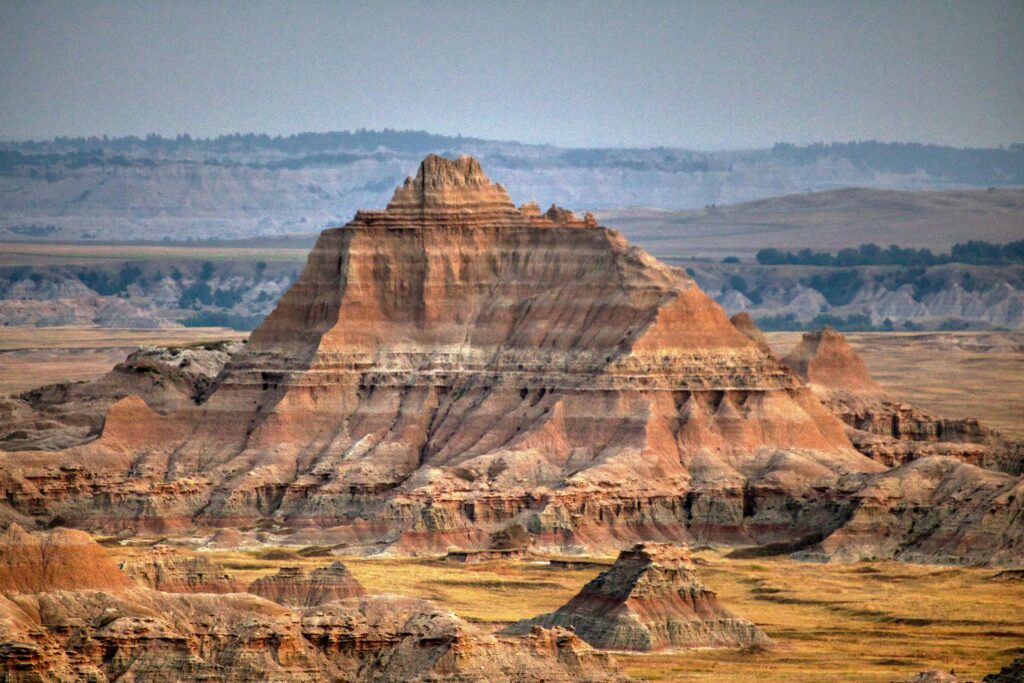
[80, 619]
[66, 414]
[164, 570]
[292, 586]
[453, 368]
[650, 599]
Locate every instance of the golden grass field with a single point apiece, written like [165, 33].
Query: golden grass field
[954, 374]
[871, 621]
[34, 356]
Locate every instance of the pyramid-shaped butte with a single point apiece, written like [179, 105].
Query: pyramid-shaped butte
[454, 366]
[650, 599]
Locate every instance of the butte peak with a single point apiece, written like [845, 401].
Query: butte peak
[436, 171]
[450, 186]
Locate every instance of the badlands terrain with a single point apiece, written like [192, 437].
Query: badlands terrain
[522, 418]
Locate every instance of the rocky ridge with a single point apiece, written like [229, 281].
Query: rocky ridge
[650, 599]
[165, 570]
[58, 416]
[883, 428]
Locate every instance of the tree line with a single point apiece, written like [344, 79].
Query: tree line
[975, 252]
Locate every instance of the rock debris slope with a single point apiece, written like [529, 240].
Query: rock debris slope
[454, 367]
[650, 599]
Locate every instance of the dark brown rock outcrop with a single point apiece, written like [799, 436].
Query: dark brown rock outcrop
[650, 599]
[296, 588]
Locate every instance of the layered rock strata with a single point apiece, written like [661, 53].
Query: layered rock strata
[650, 599]
[292, 586]
[453, 370]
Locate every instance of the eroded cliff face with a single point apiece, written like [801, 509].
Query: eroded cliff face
[455, 366]
[650, 599]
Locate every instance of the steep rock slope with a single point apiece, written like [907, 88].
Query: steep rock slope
[650, 599]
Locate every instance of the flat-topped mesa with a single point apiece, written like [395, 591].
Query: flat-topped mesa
[650, 599]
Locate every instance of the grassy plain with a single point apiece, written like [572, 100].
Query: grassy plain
[954, 374]
[878, 621]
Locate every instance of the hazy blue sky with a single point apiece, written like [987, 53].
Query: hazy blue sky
[701, 75]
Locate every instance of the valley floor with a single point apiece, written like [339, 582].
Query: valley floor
[871, 621]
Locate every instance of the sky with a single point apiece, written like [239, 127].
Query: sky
[699, 75]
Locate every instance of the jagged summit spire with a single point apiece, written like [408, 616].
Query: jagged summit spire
[456, 193]
[450, 185]
[436, 171]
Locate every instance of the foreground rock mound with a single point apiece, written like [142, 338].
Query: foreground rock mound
[163, 570]
[887, 430]
[62, 559]
[294, 587]
[80, 619]
[651, 599]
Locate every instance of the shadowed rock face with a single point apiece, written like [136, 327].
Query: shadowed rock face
[453, 367]
[292, 586]
[651, 599]
[82, 620]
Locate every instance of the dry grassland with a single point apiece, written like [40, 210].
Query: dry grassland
[878, 621]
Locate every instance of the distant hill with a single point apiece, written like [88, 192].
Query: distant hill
[829, 221]
[244, 186]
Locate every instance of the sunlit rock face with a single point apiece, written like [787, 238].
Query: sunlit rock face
[452, 367]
